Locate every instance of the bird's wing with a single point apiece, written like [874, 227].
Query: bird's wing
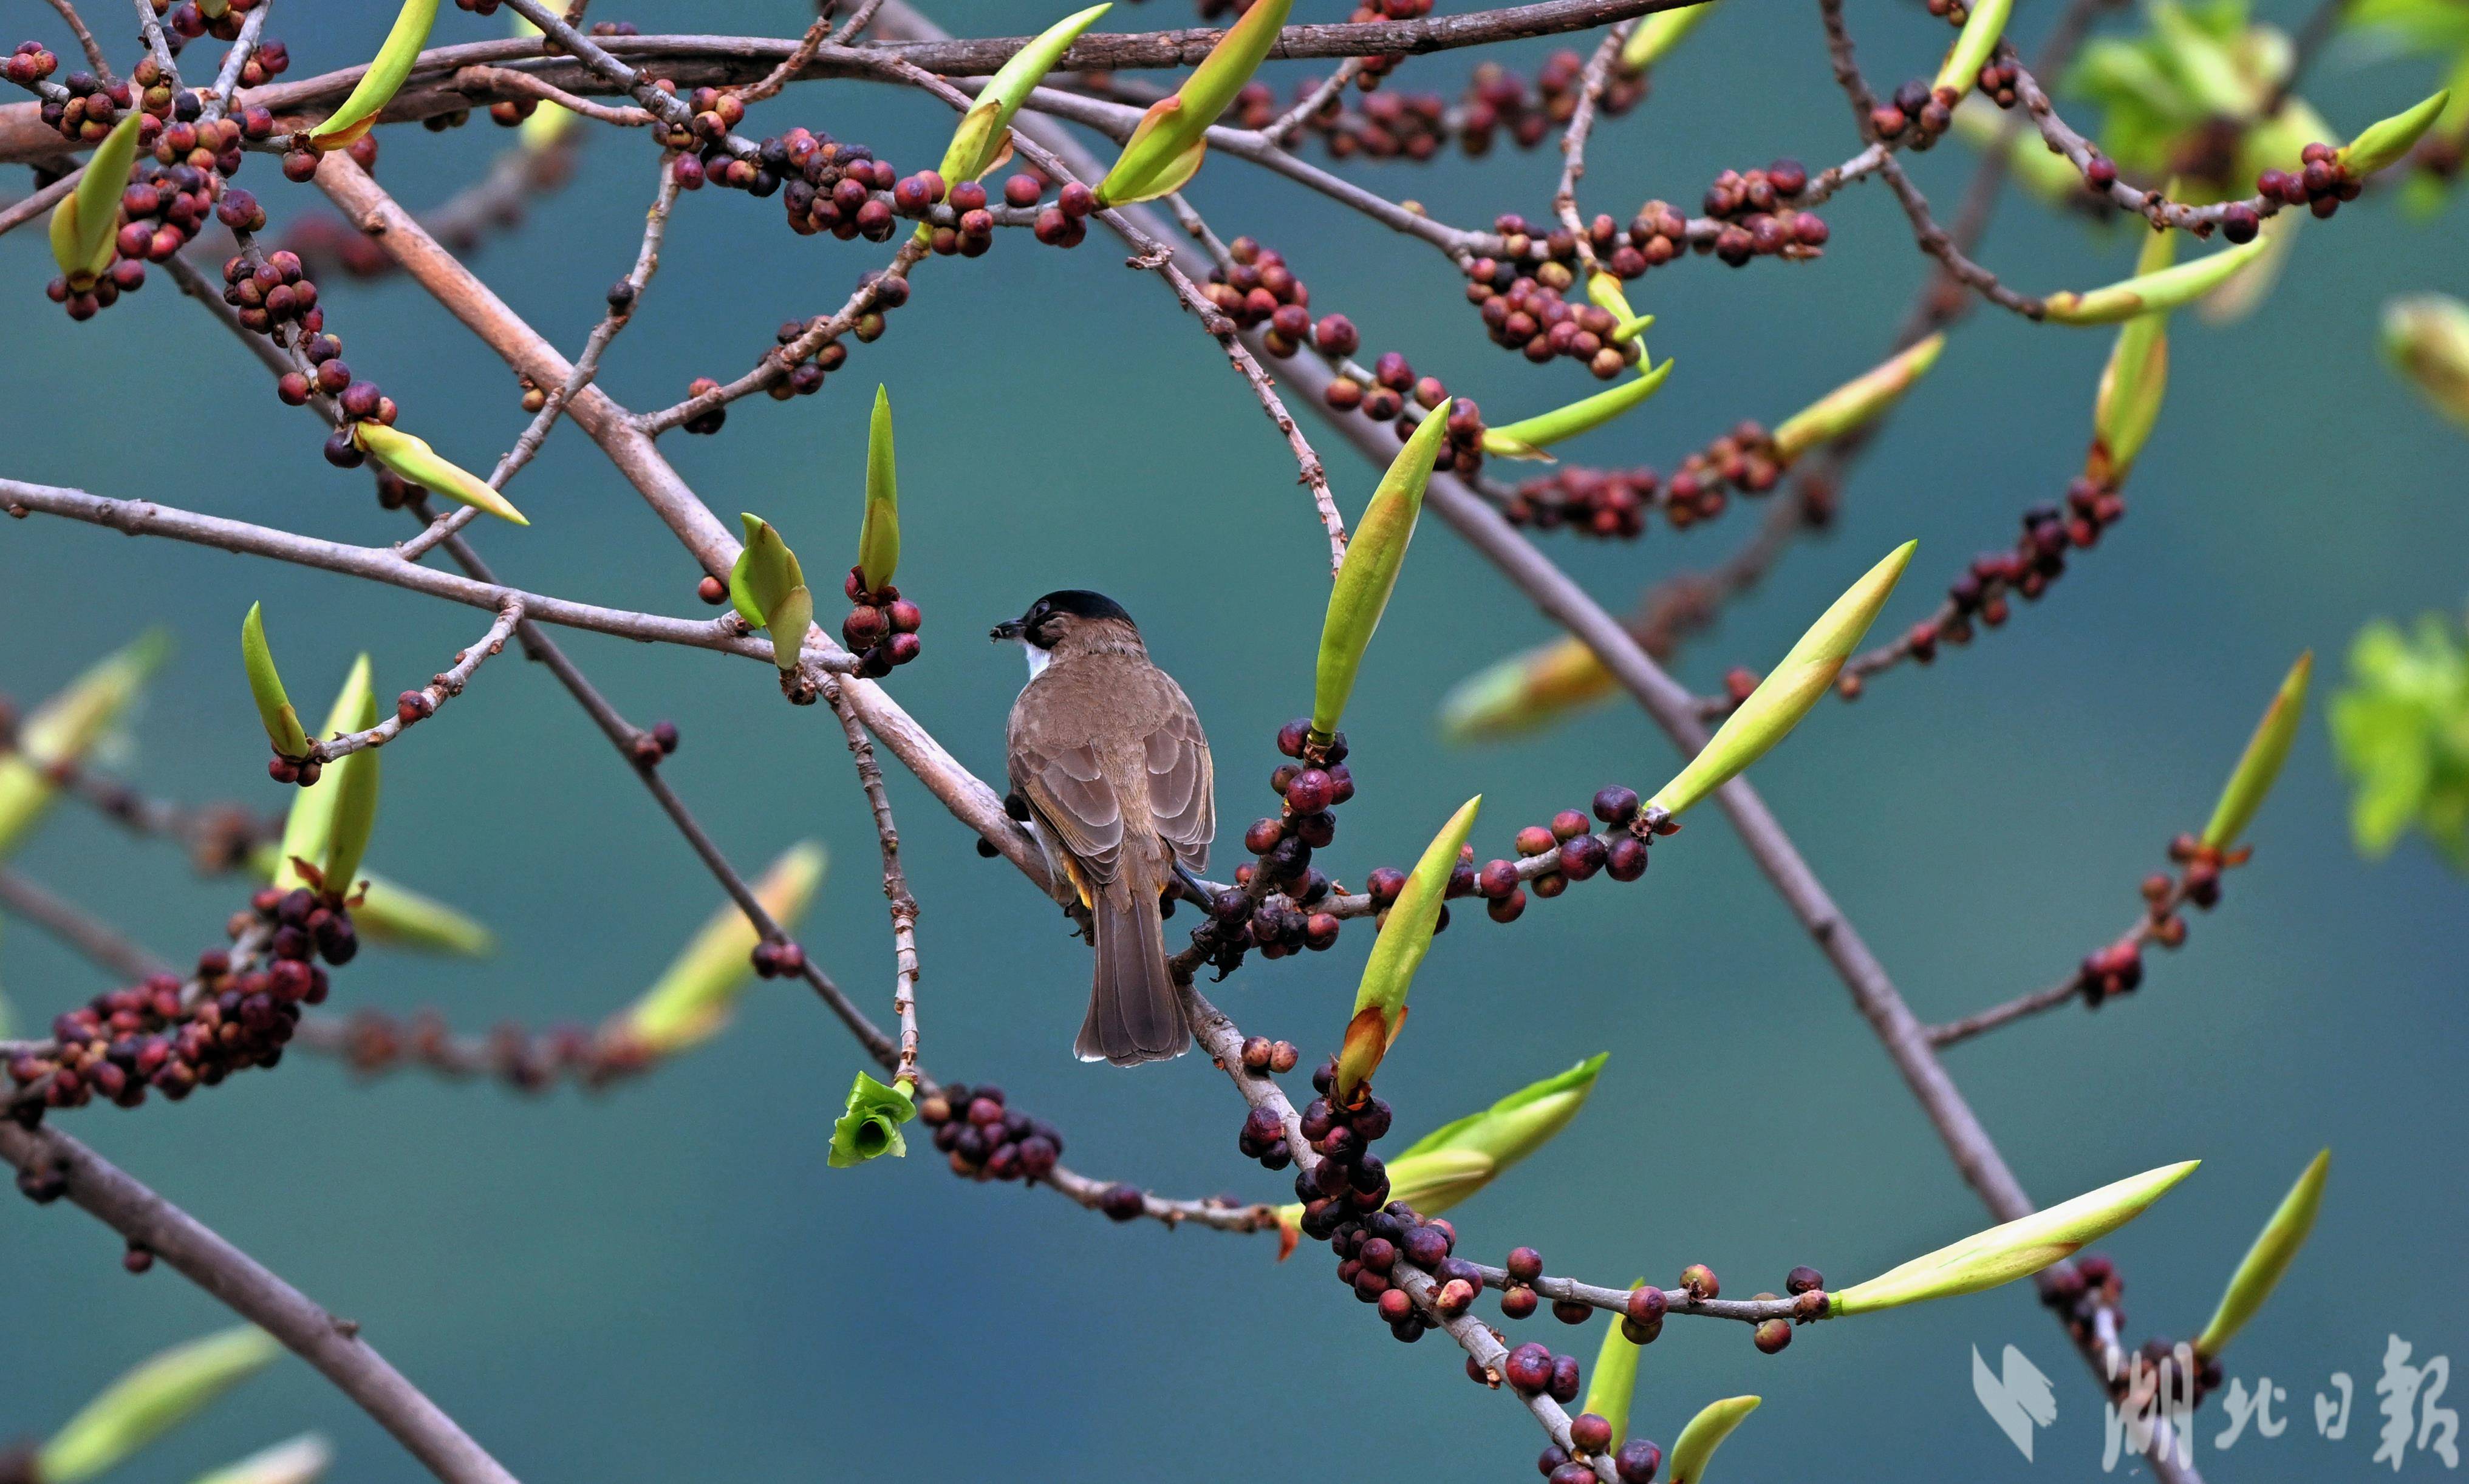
[1182, 778]
[1070, 795]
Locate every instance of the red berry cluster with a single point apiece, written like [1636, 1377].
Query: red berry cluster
[1614, 503]
[31, 63]
[1760, 220]
[1344, 1193]
[1065, 223]
[1529, 310]
[1256, 287]
[988, 1141]
[186, 21]
[971, 230]
[1549, 856]
[159, 1034]
[1916, 117]
[1391, 126]
[881, 628]
[1312, 786]
[778, 960]
[830, 187]
[709, 421]
[806, 378]
[1392, 383]
[2320, 183]
[2038, 560]
[88, 111]
[300, 161]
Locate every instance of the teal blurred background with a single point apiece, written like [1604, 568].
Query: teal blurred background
[665, 1281]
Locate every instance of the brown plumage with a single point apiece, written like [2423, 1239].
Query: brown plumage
[1105, 750]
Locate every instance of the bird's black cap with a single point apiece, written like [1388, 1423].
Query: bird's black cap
[1078, 601]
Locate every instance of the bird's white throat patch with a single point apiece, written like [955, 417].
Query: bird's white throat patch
[1038, 659]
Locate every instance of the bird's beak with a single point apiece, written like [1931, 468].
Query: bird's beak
[1008, 629]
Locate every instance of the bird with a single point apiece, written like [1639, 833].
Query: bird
[1109, 758]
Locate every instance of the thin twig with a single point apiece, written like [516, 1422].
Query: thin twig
[895, 882]
[90, 935]
[86, 43]
[442, 687]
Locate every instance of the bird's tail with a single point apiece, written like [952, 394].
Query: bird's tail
[1135, 1010]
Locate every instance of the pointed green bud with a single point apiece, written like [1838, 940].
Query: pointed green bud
[344, 126]
[1524, 693]
[2274, 1249]
[310, 831]
[878, 537]
[983, 140]
[303, 1460]
[691, 1002]
[2167, 290]
[158, 1396]
[1612, 1382]
[1165, 152]
[1788, 691]
[769, 588]
[1368, 573]
[1856, 401]
[1405, 937]
[85, 226]
[265, 688]
[356, 811]
[1605, 288]
[1658, 34]
[2017, 1250]
[1527, 440]
[1705, 1433]
[1519, 1124]
[1972, 46]
[412, 459]
[63, 729]
[2426, 337]
[2388, 142]
[2259, 766]
[870, 1127]
[2135, 379]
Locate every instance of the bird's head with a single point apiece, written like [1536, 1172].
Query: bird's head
[1072, 618]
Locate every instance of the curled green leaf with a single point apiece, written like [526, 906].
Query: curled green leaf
[414, 460]
[2259, 766]
[309, 831]
[65, 728]
[85, 226]
[1788, 691]
[1405, 937]
[150, 1401]
[983, 139]
[2016, 1249]
[2388, 142]
[2135, 379]
[1524, 693]
[1368, 573]
[1165, 152]
[2274, 1249]
[1658, 34]
[266, 689]
[878, 537]
[769, 589]
[691, 1001]
[870, 1127]
[377, 85]
[1972, 45]
[1612, 1383]
[1705, 1433]
[302, 1460]
[1605, 288]
[1856, 401]
[1528, 439]
[2426, 337]
[2145, 292]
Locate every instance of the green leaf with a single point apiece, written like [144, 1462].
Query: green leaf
[1705, 1433]
[2274, 1249]
[2426, 336]
[1972, 45]
[2167, 290]
[1613, 1382]
[982, 140]
[152, 1400]
[1658, 34]
[769, 589]
[265, 688]
[355, 811]
[878, 537]
[377, 85]
[414, 460]
[62, 730]
[1405, 937]
[1369, 574]
[303, 1460]
[2383, 143]
[2135, 379]
[1856, 401]
[2259, 766]
[2016, 1249]
[1528, 439]
[309, 831]
[1788, 691]
[1165, 150]
[1525, 692]
[85, 226]
[872, 1125]
[691, 1001]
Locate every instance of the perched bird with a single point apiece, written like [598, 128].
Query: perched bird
[1106, 752]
